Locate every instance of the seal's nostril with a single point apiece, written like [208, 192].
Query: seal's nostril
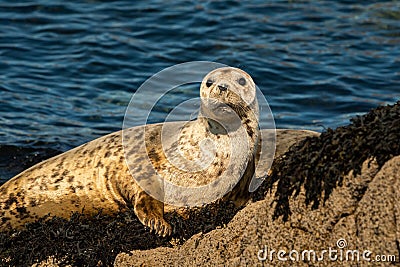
[223, 87]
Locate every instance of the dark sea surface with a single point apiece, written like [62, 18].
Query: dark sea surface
[68, 69]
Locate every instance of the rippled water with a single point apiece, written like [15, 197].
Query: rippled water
[69, 68]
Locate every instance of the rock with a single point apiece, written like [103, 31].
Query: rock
[361, 215]
[333, 195]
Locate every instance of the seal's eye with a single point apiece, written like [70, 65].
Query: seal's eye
[242, 81]
[209, 83]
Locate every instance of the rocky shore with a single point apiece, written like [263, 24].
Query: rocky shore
[335, 191]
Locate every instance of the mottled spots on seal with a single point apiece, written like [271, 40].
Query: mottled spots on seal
[22, 210]
[30, 180]
[154, 155]
[59, 179]
[130, 153]
[32, 202]
[250, 130]
[43, 187]
[60, 165]
[11, 200]
[99, 164]
[92, 153]
[5, 219]
[107, 170]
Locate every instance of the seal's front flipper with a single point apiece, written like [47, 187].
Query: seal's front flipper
[151, 213]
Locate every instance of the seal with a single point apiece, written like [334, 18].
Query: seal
[139, 168]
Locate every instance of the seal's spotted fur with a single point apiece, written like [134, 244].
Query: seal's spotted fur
[96, 175]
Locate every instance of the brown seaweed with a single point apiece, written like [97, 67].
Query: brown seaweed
[320, 163]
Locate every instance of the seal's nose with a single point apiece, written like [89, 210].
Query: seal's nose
[222, 87]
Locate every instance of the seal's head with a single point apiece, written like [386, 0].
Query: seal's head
[227, 95]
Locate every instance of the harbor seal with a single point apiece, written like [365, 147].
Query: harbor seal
[104, 174]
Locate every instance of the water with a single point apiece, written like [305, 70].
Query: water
[69, 68]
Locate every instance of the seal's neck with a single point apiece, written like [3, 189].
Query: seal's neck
[212, 126]
[219, 127]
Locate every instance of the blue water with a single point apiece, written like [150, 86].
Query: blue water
[68, 68]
